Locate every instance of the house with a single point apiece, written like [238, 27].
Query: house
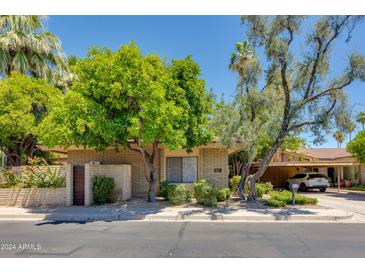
[336, 163]
[126, 167]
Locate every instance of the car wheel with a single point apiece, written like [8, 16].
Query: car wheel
[302, 187]
[322, 189]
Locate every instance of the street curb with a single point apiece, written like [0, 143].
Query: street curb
[173, 217]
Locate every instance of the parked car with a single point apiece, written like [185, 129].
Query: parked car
[309, 180]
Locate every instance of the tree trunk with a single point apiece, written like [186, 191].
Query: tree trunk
[264, 163]
[150, 168]
[245, 172]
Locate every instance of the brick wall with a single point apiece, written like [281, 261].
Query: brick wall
[214, 162]
[110, 156]
[122, 175]
[29, 197]
[208, 160]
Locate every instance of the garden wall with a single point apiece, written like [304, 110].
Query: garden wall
[29, 197]
[122, 175]
[61, 171]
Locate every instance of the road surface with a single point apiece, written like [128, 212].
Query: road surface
[181, 239]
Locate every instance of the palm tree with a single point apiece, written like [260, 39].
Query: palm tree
[338, 135]
[360, 118]
[26, 47]
[243, 54]
[350, 128]
[64, 79]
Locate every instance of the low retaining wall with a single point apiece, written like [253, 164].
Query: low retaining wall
[32, 197]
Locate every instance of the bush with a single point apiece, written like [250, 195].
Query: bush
[177, 194]
[163, 189]
[205, 193]
[274, 203]
[102, 189]
[43, 178]
[263, 188]
[285, 197]
[223, 194]
[32, 177]
[11, 179]
[234, 183]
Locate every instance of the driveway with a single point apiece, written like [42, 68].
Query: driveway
[344, 200]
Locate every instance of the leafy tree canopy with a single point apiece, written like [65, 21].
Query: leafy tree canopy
[357, 146]
[24, 103]
[124, 96]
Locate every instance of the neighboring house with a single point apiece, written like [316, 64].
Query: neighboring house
[336, 163]
[126, 167]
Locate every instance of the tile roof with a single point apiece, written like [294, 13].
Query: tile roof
[325, 153]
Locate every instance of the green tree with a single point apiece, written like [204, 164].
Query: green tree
[23, 104]
[310, 95]
[26, 47]
[360, 118]
[357, 146]
[126, 99]
[351, 128]
[339, 137]
[252, 116]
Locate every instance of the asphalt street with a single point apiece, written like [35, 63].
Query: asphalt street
[181, 239]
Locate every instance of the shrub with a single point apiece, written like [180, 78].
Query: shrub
[163, 189]
[43, 178]
[223, 194]
[33, 177]
[177, 194]
[189, 196]
[205, 193]
[263, 188]
[274, 203]
[286, 198]
[234, 182]
[305, 200]
[11, 178]
[102, 189]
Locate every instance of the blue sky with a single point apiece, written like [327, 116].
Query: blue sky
[209, 39]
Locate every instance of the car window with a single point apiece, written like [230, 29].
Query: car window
[312, 176]
[298, 176]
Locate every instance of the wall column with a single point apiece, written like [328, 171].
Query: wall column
[88, 184]
[69, 185]
[339, 178]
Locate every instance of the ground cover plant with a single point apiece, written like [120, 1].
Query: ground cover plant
[283, 198]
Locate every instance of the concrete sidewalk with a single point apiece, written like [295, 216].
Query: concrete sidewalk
[122, 213]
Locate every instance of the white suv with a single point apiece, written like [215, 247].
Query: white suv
[309, 180]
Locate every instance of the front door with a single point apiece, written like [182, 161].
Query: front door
[79, 185]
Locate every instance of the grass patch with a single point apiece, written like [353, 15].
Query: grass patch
[283, 198]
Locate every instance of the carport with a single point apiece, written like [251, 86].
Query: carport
[278, 172]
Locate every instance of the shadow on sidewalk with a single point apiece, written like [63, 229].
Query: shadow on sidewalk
[138, 210]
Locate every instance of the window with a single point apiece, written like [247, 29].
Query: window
[182, 169]
[298, 176]
[312, 176]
